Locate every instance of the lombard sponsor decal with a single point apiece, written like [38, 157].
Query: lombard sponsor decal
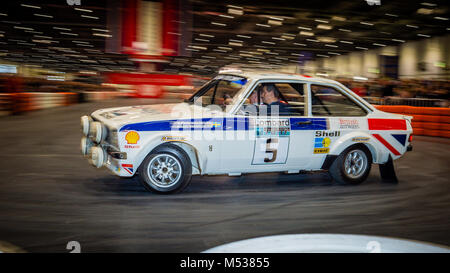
[272, 127]
[321, 145]
[360, 139]
[348, 123]
[173, 138]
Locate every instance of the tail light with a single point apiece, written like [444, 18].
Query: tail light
[410, 138]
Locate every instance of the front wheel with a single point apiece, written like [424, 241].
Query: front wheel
[167, 169]
[352, 166]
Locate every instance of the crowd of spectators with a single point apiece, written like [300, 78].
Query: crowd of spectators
[407, 88]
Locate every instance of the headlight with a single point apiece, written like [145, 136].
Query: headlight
[97, 156]
[98, 131]
[85, 124]
[86, 144]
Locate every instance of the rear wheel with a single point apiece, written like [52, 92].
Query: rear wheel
[352, 166]
[167, 169]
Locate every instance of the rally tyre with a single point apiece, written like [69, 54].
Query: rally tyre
[352, 166]
[167, 169]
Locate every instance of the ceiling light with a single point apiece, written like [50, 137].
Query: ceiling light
[299, 44]
[378, 44]
[364, 48]
[201, 40]
[61, 28]
[321, 21]
[345, 30]
[397, 40]
[30, 6]
[306, 33]
[305, 28]
[423, 35]
[280, 39]
[333, 53]
[68, 33]
[262, 25]
[428, 4]
[412, 26]
[24, 28]
[226, 48]
[391, 15]
[207, 35]
[331, 45]
[102, 35]
[98, 29]
[312, 40]
[366, 23]
[346, 42]
[218, 24]
[338, 18]
[90, 17]
[270, 43]
[226, 16]
[243, 36]
[274, 22]
[326, 27]
[85, 10]
[43, 15]
[326, 39]
[441, 18]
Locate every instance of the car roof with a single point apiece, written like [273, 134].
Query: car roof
[266, 75]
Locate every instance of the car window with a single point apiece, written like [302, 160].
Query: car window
[327, 101]
[220, 91]
[288, 100]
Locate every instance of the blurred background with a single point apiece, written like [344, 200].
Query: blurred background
[61, 59]
[61, 52]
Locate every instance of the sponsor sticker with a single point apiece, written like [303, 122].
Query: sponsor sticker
[328, 134]
[348, 124]
[173, 138]
[128, 168]
[132, 137]
[360, 139]
[272, 127]
[196, 124]
[321, 145]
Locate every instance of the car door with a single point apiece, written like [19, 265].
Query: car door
[342, 115]
[273, 142]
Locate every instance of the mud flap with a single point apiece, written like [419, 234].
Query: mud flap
[387, 171]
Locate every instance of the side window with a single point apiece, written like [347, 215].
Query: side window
[276, 99]
[327, 101]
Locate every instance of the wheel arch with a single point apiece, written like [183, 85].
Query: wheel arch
[354, 139]
[188, 148]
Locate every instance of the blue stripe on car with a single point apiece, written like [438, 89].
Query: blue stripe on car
[234, 124]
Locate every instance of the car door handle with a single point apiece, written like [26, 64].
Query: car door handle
[303, 122]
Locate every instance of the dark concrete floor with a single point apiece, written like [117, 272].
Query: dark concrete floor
[50, 195]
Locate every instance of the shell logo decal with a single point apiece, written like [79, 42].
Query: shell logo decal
[326, 142]
[132, 137]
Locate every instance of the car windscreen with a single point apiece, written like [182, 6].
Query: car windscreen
[219, 91]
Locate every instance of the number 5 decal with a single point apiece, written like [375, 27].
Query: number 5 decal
[271, 150]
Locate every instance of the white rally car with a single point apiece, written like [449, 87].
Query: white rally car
[248, 122]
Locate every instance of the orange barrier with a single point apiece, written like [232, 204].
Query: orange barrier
[14, 103]
[427, 121]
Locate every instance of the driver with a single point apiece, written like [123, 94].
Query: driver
[271, 97]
